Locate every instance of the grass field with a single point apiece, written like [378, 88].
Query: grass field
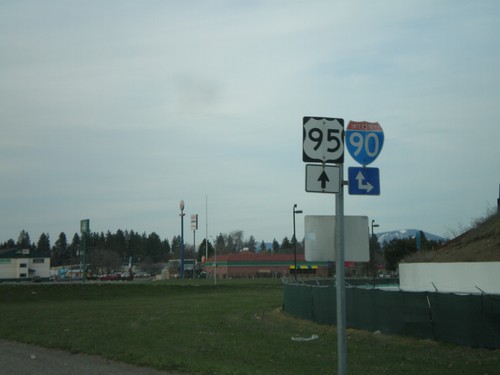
[235, 327]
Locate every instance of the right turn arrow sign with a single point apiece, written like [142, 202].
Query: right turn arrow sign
[364, 181]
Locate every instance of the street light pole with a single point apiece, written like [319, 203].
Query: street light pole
[215, 261]
[374, 226]
[182, 239]
[372, 251]
[295, 240]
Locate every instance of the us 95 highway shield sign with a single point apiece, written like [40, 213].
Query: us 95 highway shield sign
[323, 140]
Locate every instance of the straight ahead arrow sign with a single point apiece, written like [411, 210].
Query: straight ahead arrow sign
[323, 178]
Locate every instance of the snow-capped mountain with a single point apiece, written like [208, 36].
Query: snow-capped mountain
[405, 233]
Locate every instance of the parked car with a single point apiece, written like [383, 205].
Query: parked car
[111, 277]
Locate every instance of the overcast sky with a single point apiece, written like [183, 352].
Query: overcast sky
[116, 110]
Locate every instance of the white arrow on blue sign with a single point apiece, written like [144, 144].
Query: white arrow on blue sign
[364, 141]
[363, 181]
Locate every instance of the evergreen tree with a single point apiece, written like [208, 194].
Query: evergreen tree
[202, 250]
[252, 244]
[230, 245]
[263, 246]
[285, 244]
[60, 250]
[176, 247]
[43, 244]
[220, 243]
[154, 247]
[100, 240]
[120, 244]
[396, 250]
[23, 240]
[166, 249]
[375, 252]
[276, 246]
[8, 245]
[135, 245]
[74, 247]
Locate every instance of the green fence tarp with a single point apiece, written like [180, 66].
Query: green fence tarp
[472, 320]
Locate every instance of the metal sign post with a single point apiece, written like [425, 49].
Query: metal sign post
[323, 142]
[84, 229]
[340, 279]
[194, 227]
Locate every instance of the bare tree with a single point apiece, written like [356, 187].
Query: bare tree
[105, 261]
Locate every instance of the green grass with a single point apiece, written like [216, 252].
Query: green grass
[236, 327]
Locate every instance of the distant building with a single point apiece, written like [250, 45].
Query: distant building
[251, 265]
[23, 264]
[173, 269]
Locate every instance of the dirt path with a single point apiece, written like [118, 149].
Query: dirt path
[23, 359]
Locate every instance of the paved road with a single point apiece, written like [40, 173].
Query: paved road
[22, 359]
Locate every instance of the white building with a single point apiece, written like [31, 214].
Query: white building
[458, 277]
[23, 264]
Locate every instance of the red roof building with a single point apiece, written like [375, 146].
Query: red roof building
[250, 265]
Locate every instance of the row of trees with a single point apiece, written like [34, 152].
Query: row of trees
[124, 245]
[110, 250]
[398, 249]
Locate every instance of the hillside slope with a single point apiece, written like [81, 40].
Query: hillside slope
[479, 244]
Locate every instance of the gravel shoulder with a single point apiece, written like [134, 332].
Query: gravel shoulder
[23, 359]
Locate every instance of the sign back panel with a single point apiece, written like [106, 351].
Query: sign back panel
[320, 239]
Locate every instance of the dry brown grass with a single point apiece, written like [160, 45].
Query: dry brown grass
[481, 243]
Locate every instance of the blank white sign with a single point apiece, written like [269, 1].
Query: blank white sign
[320, 239]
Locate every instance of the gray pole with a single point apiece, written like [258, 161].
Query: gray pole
[215, 265]
[84, 275]
[295, 240]
[194, 251]
[182, 244]
[294, 245]
[206, 228]
[340, 278]
[182, 240]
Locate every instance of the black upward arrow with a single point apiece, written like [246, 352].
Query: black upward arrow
[323, 177]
